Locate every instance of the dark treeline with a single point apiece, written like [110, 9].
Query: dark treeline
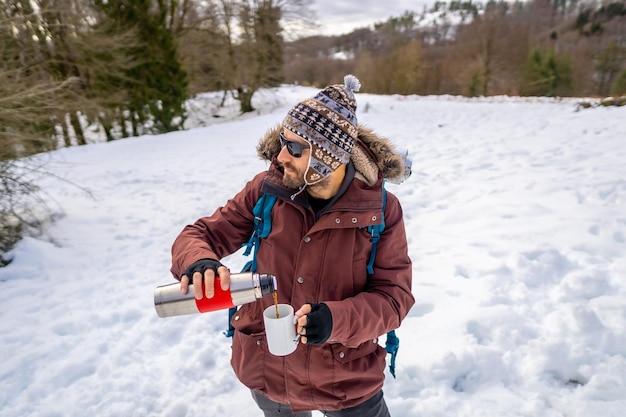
[74, 69]
[126, 67]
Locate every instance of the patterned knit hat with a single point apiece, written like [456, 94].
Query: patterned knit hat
[328, 122]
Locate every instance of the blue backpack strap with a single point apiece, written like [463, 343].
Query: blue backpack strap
[262, 227]
[230, 332]
[391, 346]
[262, 224]
[393, 343]
[375, 232]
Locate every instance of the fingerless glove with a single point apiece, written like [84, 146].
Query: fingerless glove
[319, 324]
[201, 266]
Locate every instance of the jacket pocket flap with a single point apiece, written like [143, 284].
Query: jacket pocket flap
[345, 354]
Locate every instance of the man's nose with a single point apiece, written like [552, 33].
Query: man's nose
[284, 155]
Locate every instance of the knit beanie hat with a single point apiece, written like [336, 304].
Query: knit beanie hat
[328, 122]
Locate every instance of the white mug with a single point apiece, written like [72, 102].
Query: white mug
[280, 331]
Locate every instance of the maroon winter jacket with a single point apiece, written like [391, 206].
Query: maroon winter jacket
[316, 261]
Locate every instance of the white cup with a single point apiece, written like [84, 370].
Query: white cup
[281, 331]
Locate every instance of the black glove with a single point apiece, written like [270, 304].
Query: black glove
[319, 324]
[201, 266]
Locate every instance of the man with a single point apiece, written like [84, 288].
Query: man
[327, 173]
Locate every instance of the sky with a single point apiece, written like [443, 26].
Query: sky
[341, 17]
[516, 222]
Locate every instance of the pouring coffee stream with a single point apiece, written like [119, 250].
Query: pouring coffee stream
[275, 295]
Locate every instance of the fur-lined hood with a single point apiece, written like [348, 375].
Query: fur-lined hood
[372, 155]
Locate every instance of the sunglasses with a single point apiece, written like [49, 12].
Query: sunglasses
[294, 148]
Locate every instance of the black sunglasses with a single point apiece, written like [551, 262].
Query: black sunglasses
[294, 148]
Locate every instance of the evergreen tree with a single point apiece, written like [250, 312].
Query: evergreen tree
[547, 74]
[156, 82]
[619, 86]
[609, 62]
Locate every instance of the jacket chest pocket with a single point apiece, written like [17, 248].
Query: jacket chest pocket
[333, 263]
[362, 251]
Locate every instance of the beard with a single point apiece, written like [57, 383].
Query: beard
[294, 179]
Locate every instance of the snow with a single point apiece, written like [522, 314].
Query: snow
[516, 220]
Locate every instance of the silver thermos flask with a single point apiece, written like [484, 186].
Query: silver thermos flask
[245, 287]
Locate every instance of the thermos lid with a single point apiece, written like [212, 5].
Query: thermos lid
[267, 282]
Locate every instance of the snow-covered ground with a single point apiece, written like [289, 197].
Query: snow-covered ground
[516, 219]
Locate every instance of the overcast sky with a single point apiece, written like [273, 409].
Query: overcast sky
[337, 17]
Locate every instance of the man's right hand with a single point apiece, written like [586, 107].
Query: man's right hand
[204, 270]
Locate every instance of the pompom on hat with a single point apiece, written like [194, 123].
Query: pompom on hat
[328, 122]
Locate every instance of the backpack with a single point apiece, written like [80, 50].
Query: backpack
[262, 227]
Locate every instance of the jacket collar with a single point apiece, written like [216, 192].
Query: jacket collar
[355, 193]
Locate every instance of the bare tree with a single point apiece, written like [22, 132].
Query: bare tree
[237, 45]
[397, 70]
[43, 85]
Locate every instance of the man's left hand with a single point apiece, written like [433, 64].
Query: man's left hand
[315, 323]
